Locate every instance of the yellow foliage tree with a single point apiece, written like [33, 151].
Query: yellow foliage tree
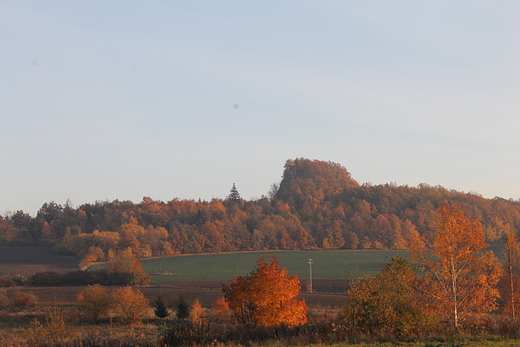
[461, 275]
[53, 332]
[126, 262]
[197, 312]
[94, 301]
[268, 296]
[130, 304]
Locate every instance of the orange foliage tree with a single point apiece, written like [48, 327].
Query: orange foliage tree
[126, 263]
[94, 301]
[461, 275]
[268, 296]
[220, 310]
[130, 304]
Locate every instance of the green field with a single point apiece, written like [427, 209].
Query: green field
[326, 264]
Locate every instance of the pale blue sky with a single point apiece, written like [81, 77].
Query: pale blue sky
[124, 99]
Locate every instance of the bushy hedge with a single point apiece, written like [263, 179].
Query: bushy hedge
[12, 281]
[81, 278]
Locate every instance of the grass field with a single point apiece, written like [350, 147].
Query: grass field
[326, 264]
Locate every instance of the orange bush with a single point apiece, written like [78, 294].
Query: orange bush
[24, 300]
[268, 296]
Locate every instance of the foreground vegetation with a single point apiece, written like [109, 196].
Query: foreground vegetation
[30, 324]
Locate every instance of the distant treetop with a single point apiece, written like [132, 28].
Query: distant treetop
[234, 195]
[305, 179]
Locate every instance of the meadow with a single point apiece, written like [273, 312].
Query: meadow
[326, 264]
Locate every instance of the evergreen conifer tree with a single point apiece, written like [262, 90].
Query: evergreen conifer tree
[182, 308]
[234, 195]
[160, 308]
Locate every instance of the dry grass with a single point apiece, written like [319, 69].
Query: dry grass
[17, 329]
[36, 325]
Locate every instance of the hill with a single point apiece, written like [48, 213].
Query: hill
[317, 205]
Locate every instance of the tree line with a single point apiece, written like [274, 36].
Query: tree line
[317, 205]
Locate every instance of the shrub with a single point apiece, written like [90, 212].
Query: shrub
[3, 298]
[43, 279]
[76, 278]
[12, 281]
[183, 333]
[54, 330]
[23, 300]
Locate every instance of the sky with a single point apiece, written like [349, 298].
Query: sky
[121, 99]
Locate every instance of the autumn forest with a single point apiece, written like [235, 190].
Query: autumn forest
[317, 205]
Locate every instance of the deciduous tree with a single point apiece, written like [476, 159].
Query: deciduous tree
[220, 310]
[268, 296]
[461, 275]
[130, 304]
[126, 263]
[94, 301]
[511, 279]
[386, 304]
[197, 312]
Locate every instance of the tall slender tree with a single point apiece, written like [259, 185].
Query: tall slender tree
[511, 278]
[461, 275]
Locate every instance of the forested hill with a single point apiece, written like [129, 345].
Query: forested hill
[316, 205]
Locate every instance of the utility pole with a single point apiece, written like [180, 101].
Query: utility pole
[310, 275]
